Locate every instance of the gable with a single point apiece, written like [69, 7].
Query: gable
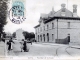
[67, 13]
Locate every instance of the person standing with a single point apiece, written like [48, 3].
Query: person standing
[25, 46]
[10, 44]
[22, 44]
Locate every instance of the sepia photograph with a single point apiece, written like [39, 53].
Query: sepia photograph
[40, 29]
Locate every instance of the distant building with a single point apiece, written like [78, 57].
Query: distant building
[19, 34]
[8, 35]
[62, 26]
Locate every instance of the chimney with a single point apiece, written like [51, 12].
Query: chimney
[74, 10]
[63, 5]
[52, 8]
[63, 9]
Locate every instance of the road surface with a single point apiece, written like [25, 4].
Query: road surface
[55, 50]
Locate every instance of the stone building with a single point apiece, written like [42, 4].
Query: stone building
[8, 35]
[19, 34]
[59, 26]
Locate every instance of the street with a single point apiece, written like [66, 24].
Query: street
[38, 49]
[41, 49]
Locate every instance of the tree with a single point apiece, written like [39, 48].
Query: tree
[31, 35]
[28, 35]
[3, 14]
[14, 34]
[4, 35]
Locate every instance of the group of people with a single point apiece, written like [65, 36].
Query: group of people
[23, 44]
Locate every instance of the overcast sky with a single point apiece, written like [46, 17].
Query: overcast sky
[33, 10]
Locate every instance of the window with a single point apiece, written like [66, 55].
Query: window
[68, 24]
[47, 37]
[52, 25]
[44, 37]
[36, 30]
[38, 38]
[47, 27]
[44, 27]
[40, 28]
[63, 14]
[52, 37]
[41, 37]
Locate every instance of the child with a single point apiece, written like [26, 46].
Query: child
[22, 44]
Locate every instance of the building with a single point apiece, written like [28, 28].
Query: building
[8, 35]
[19, 34]
[62, 26]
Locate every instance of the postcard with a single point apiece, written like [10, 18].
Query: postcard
[39, 30]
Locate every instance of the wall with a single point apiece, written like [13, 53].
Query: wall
[74, 30]
[19, 34]
[63, 30]
[50, 31]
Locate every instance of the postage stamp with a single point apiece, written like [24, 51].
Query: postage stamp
[16, 13]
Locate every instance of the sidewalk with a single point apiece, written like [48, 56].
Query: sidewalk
[76, 46]
[2, 48]
[51, 44]
[72, 46]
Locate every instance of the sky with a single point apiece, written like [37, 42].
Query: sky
[34, 8]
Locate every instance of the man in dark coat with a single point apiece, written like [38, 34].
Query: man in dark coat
[9, 44]
[25, 46]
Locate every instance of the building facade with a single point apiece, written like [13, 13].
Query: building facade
[19, 34]
[8, 35]
[59, 27]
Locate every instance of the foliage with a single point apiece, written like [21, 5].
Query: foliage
[3, 14]
[14, 34]
[4, 35]
[28, 35]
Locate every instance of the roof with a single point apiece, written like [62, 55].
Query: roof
[37, 26]
[59, 17]
[67, 13]
[58, 13]
[19, 30]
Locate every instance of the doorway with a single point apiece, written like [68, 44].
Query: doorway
[47, 37]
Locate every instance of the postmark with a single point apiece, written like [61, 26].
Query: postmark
[17, 12]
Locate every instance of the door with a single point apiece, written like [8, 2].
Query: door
[52, 37]
[47, 37]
